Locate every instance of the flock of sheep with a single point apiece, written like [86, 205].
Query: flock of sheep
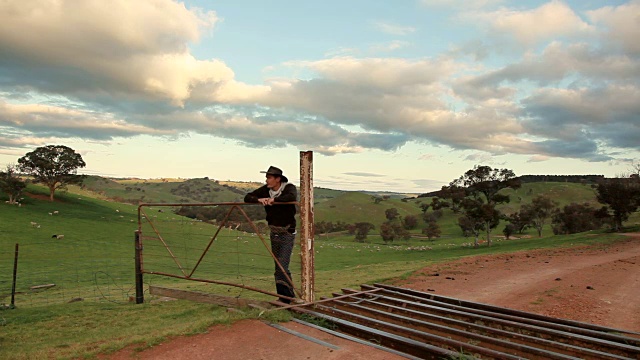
[54, 236]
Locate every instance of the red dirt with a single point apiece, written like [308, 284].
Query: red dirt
[596, 284]
[253, 339]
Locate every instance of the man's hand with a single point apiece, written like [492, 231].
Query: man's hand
[266, 201]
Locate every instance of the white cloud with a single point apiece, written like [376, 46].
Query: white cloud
[622, 23]
[389, 46]
[64, 122]
[145, 55]
[528, 27]
[141, 78]
[394, 29]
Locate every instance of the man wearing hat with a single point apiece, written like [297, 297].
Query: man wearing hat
[282, 223]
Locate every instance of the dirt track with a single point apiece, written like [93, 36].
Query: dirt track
[597, 284]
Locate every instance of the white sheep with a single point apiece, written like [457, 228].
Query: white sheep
[50, 213]
[34, 224]
[55, 212]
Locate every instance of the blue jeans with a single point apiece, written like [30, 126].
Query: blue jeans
[282, 246]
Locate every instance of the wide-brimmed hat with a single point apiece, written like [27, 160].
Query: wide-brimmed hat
[275, 172]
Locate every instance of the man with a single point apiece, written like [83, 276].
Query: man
[282, 223]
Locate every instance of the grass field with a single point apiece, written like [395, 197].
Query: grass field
[94, 262]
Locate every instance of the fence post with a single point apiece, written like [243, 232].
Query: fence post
[15, 275]
[138, 257]
[307, 231]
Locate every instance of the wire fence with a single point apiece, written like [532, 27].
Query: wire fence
[58, 271]
[215, 254]
[100, 266]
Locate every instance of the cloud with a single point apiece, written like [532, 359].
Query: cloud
[389, 46]
[363, 174]
[73, 48]
[74, 74]
[428, 184]
[586, 116]
[52, 121]
[394, 29]
[528, 27]
[621, 23]
[538, 158]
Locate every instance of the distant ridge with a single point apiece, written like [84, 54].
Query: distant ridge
[579, 179]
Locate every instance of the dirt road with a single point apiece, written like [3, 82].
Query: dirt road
[597, 284]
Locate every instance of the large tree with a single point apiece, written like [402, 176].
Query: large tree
[621, 195]
[11, 184]
[479, 216]
[482, 186]
[53, 165]
[488, 182]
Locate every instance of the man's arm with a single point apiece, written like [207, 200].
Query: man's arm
[289, 194]
[256, 194]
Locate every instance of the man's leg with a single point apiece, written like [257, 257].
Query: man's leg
[282, 246]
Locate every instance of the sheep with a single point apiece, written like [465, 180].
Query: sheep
[50, 213]
[57, 236]
[55, 212]
[34, 224]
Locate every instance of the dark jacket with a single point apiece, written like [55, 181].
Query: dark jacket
[278, 215]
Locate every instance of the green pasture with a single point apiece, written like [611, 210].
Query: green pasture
[94, 262]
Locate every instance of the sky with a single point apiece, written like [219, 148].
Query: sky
[401, 96]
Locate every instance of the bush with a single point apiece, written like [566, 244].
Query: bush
[575, 218]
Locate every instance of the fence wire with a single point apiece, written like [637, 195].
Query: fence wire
[68, 270]
[219, 253]
[99, 266]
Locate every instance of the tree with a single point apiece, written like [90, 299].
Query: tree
[53, 165]
[362, 230]
[621, 195]
[470, 227]
[11, 184]
[410, 222]
[432, 216]
[482, 186]
[386, 232]
[508, 230]
[540, 209]
[432, 230]
[479, 217]
[520, 220]
[575, 218]
[391, 214]
[400, 231]
[455, 194]
[437, 204]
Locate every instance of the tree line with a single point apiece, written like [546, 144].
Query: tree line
[476, 195]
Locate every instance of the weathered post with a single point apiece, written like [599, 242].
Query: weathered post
[138, 259]
[15, 275]
[306, 227]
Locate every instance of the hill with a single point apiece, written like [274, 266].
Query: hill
[330, 205]
[135, 191]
